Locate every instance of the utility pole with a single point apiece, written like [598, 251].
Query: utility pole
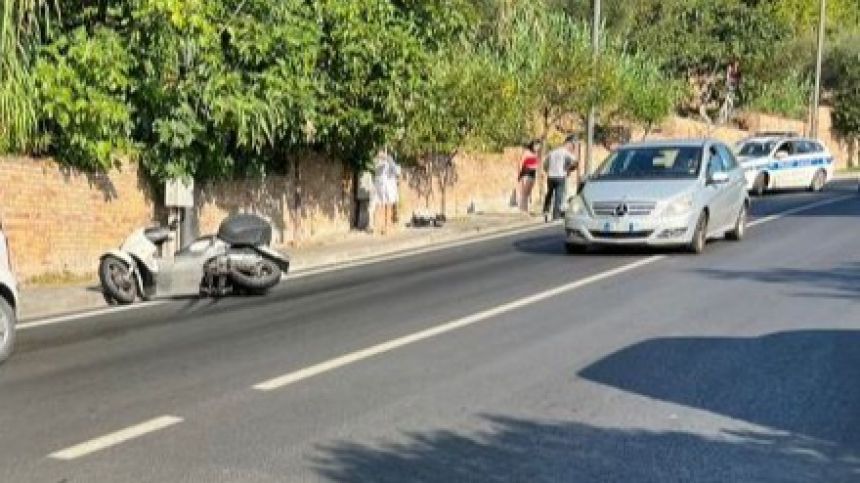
[592, 113]
[816, 96]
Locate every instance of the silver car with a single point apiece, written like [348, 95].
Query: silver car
[661, 193]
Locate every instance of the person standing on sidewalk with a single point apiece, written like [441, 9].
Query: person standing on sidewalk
[528, 173]
[386, 176]
[558, 166]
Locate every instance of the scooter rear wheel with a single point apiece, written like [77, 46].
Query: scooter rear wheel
[117, 280]
[265, 275]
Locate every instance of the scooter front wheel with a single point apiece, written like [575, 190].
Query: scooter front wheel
[117, 280]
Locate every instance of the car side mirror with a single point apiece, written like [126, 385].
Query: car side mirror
[719, 178]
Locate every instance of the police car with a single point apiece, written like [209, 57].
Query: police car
[780, 160]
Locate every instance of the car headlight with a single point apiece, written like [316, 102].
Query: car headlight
[680, 206]
[577, 206]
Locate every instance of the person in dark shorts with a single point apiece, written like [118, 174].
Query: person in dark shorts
[528, 173]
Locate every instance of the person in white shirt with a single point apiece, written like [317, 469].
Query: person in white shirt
[386, 173]
[558, 166]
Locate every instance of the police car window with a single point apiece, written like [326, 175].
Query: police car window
[756, 148]
[804, 147]
[817, 147]
[786, 147]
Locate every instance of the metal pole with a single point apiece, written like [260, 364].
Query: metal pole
[816, 95]
[592, 113]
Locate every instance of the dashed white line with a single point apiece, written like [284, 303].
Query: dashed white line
[115, 438]
[308, 372]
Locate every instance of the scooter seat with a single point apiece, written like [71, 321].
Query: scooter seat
[157, 235]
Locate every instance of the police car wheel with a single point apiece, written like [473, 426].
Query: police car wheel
[760, 184]
[818, 182]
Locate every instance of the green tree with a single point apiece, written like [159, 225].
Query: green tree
[22, 23]
[82, 82]
[846, 102]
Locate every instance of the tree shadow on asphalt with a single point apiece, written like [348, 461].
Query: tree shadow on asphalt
[534, 451]
[842, 282]
[802, 386]
[803, 382]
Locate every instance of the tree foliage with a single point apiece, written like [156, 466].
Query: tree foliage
[213, 88]
[846, 97]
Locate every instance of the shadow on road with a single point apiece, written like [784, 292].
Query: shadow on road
[531, 451]
[837, 282]
[804, 382]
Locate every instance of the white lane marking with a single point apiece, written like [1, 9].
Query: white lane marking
[347, 359]
[292, 276]
[116, 438]
[84, 315]
[799, 209]
[383, 258]
[308, 372]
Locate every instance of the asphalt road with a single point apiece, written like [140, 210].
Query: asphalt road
[504, 360]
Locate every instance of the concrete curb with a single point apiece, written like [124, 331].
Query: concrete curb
[847, 176]
[433, 241]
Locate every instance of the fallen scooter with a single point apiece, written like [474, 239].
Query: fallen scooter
[237, 259]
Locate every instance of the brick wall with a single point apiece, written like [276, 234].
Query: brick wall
[58, 219]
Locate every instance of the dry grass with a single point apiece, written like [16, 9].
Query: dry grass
[59, 279]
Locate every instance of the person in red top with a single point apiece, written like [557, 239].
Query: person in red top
[528, 173]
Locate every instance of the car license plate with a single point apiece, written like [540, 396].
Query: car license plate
[618, 227]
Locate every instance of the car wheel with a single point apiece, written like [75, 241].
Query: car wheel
[7, 329]
[760, 184]
[740, 228]
[117, 280]
[700, 236]
[818, 181]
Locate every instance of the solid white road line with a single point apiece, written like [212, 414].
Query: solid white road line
[384, 258]
[83, 315]
[353, 357]
[116, 438]
[799, 209]
[344, 360]
[301, 274]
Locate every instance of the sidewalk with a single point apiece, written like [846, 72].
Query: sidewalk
[42, 302]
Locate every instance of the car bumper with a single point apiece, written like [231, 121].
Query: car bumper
[630, 231]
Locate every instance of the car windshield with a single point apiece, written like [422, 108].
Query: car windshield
[756, 149]
[676, 162]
